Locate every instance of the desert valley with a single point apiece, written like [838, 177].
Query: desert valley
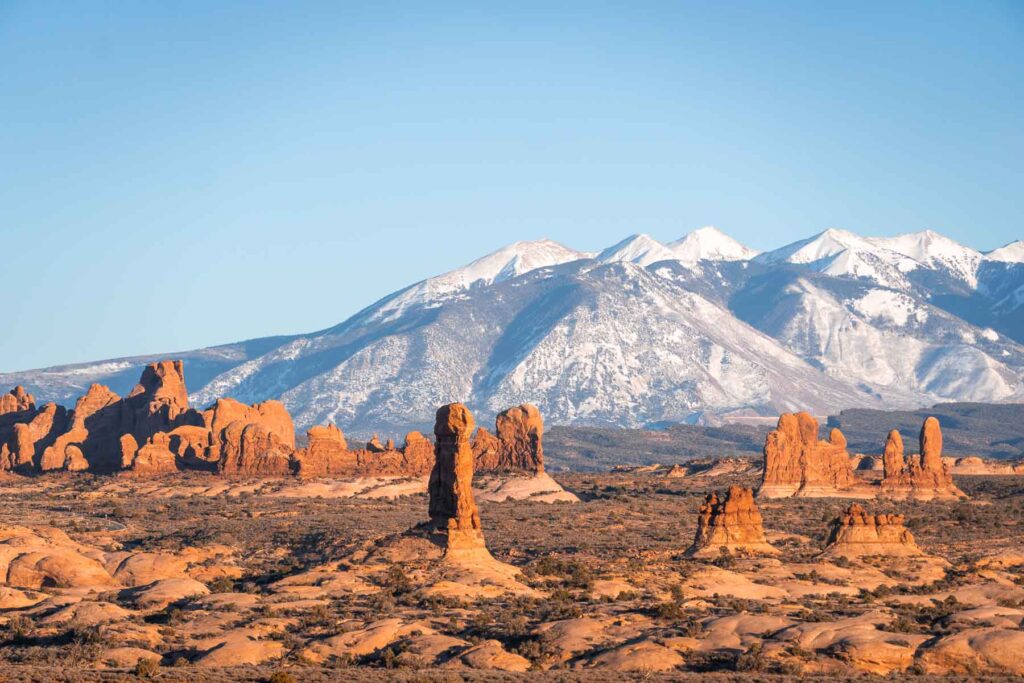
[144, 538]
[462, 342]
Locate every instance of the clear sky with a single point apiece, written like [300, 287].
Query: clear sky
[180, 174]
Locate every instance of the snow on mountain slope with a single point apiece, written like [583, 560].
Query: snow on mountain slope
[1010, 253]
[840, 253]
[503, 264]
[935, 251]
[640, 249]
[829, 322]
[612, 344]
[711, 244]
[899, 345]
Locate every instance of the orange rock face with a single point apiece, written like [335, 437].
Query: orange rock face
[796, 463]
[159, 402]
[271, 415]
[26, 432]
[17, 401]
[521, 434]
[732, 522]
[452, 507]
[919, 477]
[486, 450]
[327, 454]
[254, 450]
[518, 446]
[856, 532]
[155, 457]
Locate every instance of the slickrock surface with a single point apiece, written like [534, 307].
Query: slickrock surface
[731, 522]
[796, 463]
[857, 532]
[925, 476]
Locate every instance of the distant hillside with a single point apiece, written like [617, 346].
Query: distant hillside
[988, 430]
[985, 429]
[590, 449]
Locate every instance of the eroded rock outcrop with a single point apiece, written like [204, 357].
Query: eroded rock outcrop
[857, 532]
[26, 432]
[796, 463]
[731, 523]
[919, 477]
[328, 454]
[517, 444]
[17, 400]
[452, 509]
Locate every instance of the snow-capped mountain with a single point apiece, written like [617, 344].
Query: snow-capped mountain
[710, 244]
[638, 333]
[1010, 253]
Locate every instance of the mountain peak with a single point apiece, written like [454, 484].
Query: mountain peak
[641, 249]
[710, 244]
[1010, 253]
[935, 251]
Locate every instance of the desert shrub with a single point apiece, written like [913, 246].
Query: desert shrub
[147, 667]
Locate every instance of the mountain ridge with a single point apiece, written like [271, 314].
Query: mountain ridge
[642, 332]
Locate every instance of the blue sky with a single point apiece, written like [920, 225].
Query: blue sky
[175, 175]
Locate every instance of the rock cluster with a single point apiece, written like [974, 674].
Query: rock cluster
[328, 454]
[26, 431]
[729, 523]
[517, 444]
[796, 463]
[856, 532]
[919, 477]
[154, 431]
[150, 431]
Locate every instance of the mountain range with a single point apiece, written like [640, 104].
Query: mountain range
[700, 330]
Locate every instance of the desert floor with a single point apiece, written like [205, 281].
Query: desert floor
[232, 581]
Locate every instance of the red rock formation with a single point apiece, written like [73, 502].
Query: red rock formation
[521, 432]
[159, 402]
[486, 450]
[17, 401]
[856, 533]
[418, 452]
[920, 477]
[327, 454]
[253, 449]
[374, 445]
[25, 433]
[518, 446]
[452, 508]
[732, 522]
[796, 463]
[271, 415]
[155, 457]
[94, 435]
[893, 463]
